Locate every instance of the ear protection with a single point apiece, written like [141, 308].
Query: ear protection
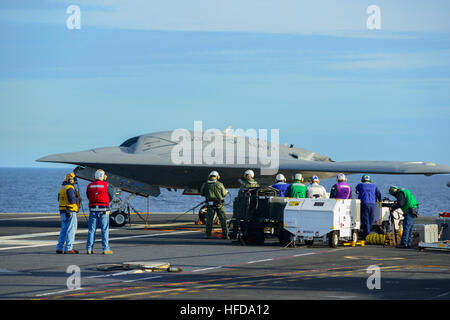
[215, 174]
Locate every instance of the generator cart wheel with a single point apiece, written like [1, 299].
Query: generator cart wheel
[285, 237]
[254, 236]
[333, 239]
[118, 219]
[354, 235]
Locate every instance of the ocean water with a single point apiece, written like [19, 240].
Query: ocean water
[36, 190]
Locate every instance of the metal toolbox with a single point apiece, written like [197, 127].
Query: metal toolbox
[427, 233]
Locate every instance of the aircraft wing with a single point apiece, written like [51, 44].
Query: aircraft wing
[157, 171]
[379, 167]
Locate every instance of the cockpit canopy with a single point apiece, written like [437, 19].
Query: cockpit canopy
[156, 142]
[130, 142]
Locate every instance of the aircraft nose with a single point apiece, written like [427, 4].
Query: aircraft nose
[83, 157]
[69, 157]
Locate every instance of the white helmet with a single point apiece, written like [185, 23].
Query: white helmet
[341, 177]
[280, 177]
[298, 176]
[100, 175]
[315, 179]
[249, 172]
[214, 174]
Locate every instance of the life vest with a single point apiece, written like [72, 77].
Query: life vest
[410, 200]
[247, 184]
[64, 201]
[343, 190]
[298, 190]
[97, 193]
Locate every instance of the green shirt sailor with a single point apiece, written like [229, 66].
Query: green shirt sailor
[298, 188]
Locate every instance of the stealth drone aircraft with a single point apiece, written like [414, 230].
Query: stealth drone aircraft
[146, 163]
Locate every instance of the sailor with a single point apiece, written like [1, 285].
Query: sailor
[281, 185]
[99, 198]
[214, 193]
[341, 190]
[369, 194]
[248, 181]
[409, 205]
[69, 204]
[298, 188]
[315, 190]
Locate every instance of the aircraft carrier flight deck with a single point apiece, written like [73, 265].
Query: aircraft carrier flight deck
[206, 269]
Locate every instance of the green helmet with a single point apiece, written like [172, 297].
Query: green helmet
[393, 190]
[366, 178]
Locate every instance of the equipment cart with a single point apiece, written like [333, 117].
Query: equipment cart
[257, 214]
[322, 220]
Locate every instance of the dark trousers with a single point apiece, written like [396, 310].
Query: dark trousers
[220, 211]
[408, 227]
[367, 217]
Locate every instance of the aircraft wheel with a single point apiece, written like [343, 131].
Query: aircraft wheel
[202, 215]
[118, 219]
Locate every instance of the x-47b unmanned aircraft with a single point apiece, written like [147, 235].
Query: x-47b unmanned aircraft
[145, 163]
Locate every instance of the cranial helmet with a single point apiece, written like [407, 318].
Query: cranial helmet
[214, 174]
[71, 178]
[393, 190]
[315, 179]
[280, 177]
[341, 177]
[298, 176]
[366, 178]
[250, 173]
[100, 175]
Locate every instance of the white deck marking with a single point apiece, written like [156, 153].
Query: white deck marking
[256, 261]
[57, 292]
[22, 244]
[303, 254]
[29, 218]
[205, 269]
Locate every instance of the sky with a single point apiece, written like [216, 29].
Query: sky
[312, 69]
